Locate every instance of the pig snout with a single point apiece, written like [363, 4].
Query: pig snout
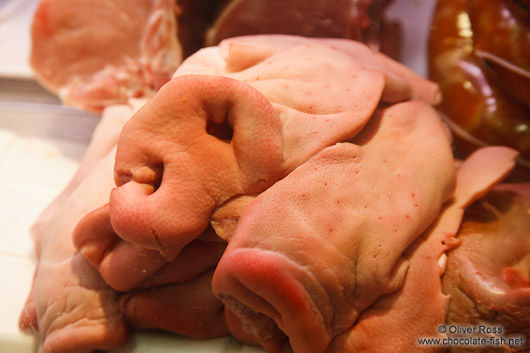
[268, 289]
[200, 141]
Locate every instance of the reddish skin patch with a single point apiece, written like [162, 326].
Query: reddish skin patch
[514, 278]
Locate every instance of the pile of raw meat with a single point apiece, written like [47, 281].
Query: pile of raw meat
[297, 193]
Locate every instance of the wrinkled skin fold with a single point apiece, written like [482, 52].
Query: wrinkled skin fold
[396, 321]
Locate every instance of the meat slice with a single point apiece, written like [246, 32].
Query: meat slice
[187, 308]
[97, 53]
[487, 276]
[316, 249]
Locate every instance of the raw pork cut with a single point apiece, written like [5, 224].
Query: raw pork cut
[97, 53]
[93, 54]
[333, 181]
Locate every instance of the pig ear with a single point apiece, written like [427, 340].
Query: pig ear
[472, 185]
[198, 142]
[401, 82]
[322, 95]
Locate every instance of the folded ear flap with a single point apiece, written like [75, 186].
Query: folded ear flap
[473, 185]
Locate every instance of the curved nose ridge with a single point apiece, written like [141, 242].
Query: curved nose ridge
[266, 289]
[198, 142]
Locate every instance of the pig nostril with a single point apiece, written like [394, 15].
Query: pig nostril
[160, 171]
[222, 131]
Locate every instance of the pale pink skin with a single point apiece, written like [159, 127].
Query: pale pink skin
[93, 55]
[284, 100]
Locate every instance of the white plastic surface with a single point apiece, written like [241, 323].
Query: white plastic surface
[15, 21]
[41, 144]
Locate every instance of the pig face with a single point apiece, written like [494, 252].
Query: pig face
[240, 117]
[313, 273]
[273, 104]
[261, 137]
